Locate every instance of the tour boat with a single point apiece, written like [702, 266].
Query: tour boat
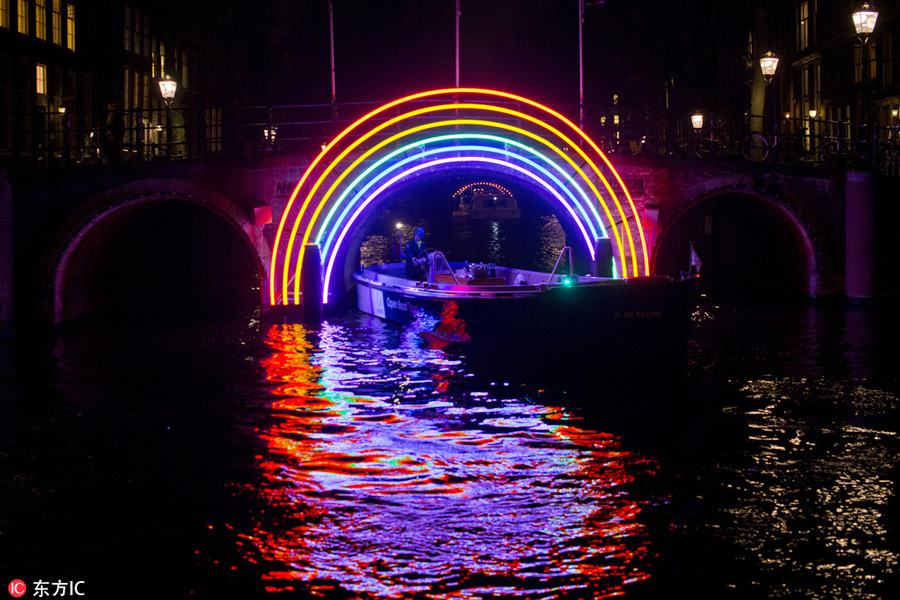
[459, 303]
[488, 207]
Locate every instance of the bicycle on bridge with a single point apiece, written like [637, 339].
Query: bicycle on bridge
[817, 143]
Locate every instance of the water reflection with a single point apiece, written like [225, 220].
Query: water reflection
[810, 499]
[552, 241]
[389, 473]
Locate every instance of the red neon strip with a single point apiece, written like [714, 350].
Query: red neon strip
[410, 98]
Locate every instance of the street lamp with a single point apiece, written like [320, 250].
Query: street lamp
[697, 121]
[269, 134]
[66, 131]
[399, 227]
[864, 22]
[167, 89]
[768, 63]
[813, 129]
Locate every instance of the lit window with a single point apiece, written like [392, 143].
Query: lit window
[126, 90]
[40, 79]
[145, 88]
[136, 90]
[40, 19]
[804, 85]
[145, 39]
[127, 29]
[70, 27]
[214, 129]
[803, 26]
[57, 22]
[23, 17]
[871, 58]
[4, 13]
[136, 33]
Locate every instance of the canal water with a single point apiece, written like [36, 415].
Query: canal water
[213, 454]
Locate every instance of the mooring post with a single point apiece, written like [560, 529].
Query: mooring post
[603, 258]
[860, 279]
[311, 286]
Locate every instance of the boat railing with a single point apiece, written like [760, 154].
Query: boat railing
[432, 271]
[566, 251]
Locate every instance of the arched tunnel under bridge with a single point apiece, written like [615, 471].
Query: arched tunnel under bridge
[473, 129]
[164, 252]
[748, 242]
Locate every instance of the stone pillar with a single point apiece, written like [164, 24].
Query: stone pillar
[6, 255]
[859, 263]
[311, 286]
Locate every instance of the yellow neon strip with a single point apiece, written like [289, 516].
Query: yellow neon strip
[318, 159]
[427, 110]
[417, 96]
[452, 122]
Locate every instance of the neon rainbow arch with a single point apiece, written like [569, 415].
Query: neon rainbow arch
[472, 127]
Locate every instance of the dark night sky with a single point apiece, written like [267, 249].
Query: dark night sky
[389, 48]
[385, 49]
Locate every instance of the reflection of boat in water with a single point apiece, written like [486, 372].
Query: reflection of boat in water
[461, 302]
[485, 201]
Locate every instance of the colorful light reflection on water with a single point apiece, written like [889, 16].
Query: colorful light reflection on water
[389, 473]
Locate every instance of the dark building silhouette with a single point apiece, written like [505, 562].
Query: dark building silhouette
[647, 65]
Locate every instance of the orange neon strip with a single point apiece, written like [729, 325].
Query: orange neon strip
[418, 96]
[497, 125]
[319, 158]
[600, 199]
[323, 176]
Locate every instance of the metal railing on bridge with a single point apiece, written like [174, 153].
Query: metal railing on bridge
[810, 141]
[43, 138]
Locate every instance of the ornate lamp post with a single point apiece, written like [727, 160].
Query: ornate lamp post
[768, 64]
[269, 133]
[864, 21]
[697, 121]
[167, 89]
[399, 227]
[698, 146]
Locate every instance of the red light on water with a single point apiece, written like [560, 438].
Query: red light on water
[435, 496]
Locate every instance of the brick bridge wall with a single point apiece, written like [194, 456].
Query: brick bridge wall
[812, 200]
[48, 214]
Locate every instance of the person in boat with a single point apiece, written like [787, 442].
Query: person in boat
[416, 256]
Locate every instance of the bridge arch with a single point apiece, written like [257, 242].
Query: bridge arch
[77, 262]
[745, 237]
[469, 126]
[345, 259]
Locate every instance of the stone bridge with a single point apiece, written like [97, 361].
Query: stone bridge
[84, 237]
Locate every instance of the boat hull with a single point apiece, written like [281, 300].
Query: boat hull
[618, 315]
